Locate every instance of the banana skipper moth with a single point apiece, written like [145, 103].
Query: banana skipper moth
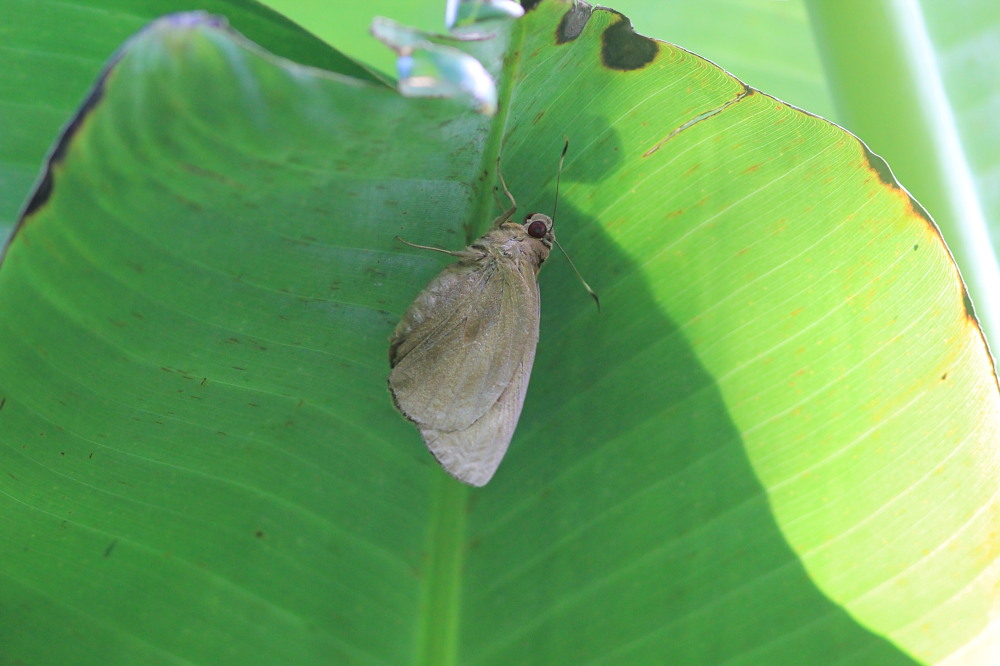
[462, 354]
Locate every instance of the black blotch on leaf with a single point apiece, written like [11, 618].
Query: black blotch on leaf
[623, 49]
[573, 22]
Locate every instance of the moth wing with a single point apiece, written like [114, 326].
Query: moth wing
[462, 342]
[473, 455]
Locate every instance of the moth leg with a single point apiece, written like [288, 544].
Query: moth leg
[513, 204]
[496, 199]
[460, 254]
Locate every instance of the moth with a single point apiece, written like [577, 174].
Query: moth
[461, 356]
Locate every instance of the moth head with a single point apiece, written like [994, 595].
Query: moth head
[539, 225]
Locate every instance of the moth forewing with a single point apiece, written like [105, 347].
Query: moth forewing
[462, 354]
[440, 376]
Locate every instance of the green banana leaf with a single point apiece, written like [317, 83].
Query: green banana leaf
[53, 51]
[776, 443]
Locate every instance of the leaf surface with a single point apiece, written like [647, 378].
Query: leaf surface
[775, 443]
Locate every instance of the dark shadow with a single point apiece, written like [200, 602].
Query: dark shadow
[627, 516]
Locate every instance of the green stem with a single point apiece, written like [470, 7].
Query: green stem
[438, 637]
[487, 209]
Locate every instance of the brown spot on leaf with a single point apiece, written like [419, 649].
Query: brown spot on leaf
[920, 211]
[970, 310]
[879, 167]
[744, 93]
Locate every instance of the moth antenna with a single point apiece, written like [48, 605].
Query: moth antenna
[586, 286]
[562, 158]
[427, 247]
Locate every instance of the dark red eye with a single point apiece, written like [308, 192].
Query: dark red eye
[537, 229]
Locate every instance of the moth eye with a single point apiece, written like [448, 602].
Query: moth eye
[537, 229]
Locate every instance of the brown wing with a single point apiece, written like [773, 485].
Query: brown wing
[473, 455]
[461, 359]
